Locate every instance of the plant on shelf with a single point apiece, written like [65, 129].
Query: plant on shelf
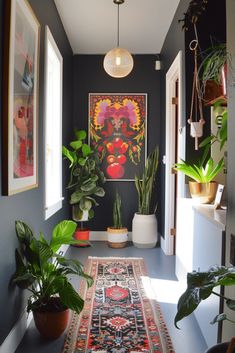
[44, 272]
[86, 180]
[144, 226]
[117, 234]
[203, 188]
[200, 286]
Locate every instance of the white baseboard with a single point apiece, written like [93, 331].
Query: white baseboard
[16, 334]
[102, 236]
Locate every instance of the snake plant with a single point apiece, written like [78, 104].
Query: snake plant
[145, 184]
[117, 217]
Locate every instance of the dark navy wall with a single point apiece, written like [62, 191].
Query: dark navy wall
[29, 205]
[89, 76]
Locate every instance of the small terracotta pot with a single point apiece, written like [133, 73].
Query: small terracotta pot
[82, 234]
[51, 324]
[203, 192]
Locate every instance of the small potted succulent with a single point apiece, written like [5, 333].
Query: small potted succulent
[200, 286]
[44, 273]
[144, 224]
[86, 180]
[202, 188]
[117, 234]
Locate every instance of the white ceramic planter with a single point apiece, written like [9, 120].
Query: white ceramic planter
[117, 238]
[144, 231]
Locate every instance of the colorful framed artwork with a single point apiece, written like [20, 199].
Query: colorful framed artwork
[117, 128]
[20, 98]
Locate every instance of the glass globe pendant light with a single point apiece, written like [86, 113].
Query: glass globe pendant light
[118, 62]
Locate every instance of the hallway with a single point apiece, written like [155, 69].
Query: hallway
[161, 271]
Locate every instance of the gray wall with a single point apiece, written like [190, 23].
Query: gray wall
[29, 206]
[89, 76]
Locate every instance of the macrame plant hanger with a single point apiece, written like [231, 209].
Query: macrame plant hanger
[196, 125]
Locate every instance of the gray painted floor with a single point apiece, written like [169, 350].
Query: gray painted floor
[161, 269]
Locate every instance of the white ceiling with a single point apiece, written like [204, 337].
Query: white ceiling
[91, 25]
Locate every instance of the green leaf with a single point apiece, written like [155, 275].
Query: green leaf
[99, 191]
[85, 204]
[230, 304]
[23, 232]
[88, 187]
[80, 134]
[70, 298]
[82, 161]
[76, 197]
[62, 234]
[206, 141]
[91, 214]
[69, 155]
[25, 280]
[76, 144]
[86, 150]
[219, 318]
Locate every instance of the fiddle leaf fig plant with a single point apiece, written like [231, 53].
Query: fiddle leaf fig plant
[200, 286]
[44, 272]
[86, 177]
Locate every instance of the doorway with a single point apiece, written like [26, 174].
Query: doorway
[175, 150]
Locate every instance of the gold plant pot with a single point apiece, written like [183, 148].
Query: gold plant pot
[203, 192]
[117, 237]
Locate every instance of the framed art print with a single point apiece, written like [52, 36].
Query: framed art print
[117, 129]
[20, 98]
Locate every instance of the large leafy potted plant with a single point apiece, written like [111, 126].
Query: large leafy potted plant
[144, 224]
[200, 286]
[202, 188]
[117, 234]
[44, 273]
[85, 181]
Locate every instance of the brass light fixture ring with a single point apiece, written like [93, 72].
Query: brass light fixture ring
[118, 2]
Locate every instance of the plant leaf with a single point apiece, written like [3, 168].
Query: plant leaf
[62, 234]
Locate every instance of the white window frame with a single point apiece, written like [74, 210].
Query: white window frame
[57, 204]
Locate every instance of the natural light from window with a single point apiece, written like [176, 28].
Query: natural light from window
[53, 127]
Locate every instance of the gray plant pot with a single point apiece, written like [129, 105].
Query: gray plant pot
[219, 348]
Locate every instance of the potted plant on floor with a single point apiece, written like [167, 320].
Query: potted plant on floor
[41, 270]
[86, 180]
[200, 286]
[117, 234]
[202, 188]
[144, 224]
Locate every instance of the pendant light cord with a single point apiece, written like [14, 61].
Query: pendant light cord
[118, 26]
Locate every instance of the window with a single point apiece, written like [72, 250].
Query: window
[53, 126]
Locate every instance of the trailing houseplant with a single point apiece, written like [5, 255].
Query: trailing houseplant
[213, 72]
[44, 273]
[145, 222]
[117, 234]
[203, 188]
[86, 179]
[200, 286]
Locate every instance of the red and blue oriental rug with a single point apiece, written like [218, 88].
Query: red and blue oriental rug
[118, 316]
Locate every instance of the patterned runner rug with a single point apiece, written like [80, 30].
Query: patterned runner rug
[118, 316]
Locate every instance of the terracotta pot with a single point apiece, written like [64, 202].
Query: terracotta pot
[117, 238]
[51, 324]
[219, 348]
[203, 192]
[82, 234]
[212, 91]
